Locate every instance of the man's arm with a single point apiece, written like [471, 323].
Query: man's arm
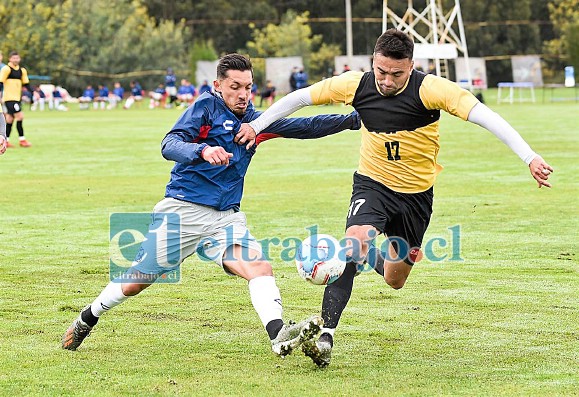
[182, 145]
[284, 107]
[177, 146]
[311, 127]
[493, 122]
[337, 89]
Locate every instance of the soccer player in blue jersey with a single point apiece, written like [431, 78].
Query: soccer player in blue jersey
[205, 87]
[205, 190]
[171, 86]
[186, 93]
[102, 97]
[136, 94]
[116, 96]
[86, 98]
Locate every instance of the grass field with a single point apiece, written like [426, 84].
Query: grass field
[504, 321]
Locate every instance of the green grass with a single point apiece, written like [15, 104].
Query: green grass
[502, 322]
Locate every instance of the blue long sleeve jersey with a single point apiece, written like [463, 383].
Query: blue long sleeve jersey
[209, 122]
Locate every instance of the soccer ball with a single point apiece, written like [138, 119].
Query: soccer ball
[318, 259]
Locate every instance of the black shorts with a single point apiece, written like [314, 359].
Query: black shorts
[402, 217]
[13, 107]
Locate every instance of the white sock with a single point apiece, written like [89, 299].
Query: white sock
[328, 331]
[265, 298]
[111, 296]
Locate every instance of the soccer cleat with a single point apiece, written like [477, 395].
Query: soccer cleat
[292, 335]
[8, 144]
[75, 334]
[25, 143]
[319, 351]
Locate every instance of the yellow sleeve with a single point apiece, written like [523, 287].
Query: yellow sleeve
[25, 76]
[4, 72]
[439, 93]
[337, 89]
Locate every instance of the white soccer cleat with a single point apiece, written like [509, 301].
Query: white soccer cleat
[319, 351]
[293, 335]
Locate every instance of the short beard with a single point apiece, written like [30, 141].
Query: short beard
[239, 112]
[388, 94]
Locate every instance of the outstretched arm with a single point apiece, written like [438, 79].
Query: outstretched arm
[490, 120]
[310, 127]
[284, 107]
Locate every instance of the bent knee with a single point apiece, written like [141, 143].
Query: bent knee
[262, 267]
[133, 289]
[395, 282]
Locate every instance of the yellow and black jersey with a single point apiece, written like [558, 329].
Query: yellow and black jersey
[400, 133]
[13, 78]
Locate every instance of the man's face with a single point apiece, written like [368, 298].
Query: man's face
[15, 59]
[391, 74]
[235, 90]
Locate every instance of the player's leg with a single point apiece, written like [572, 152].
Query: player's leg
[369, 211]
[129, 102]
[112, 295]
[390, 265]
[236, 250]
[337, 295]
[147, 268]
[405, 232]
[9, 116]
[19, 117]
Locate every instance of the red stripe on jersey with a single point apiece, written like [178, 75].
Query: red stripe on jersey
[203, 133]
[265, 137]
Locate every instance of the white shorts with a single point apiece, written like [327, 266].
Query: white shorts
[185, 97]
[202, 230]
[171, 91]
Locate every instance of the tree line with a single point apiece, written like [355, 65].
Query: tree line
[77, 42]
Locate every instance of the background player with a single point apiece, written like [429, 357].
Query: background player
[12, 79]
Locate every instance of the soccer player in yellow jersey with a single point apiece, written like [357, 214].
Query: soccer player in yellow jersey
[392, 191]
[12, 79]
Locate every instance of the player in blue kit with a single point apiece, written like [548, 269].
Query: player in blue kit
[185, 93]
[205, 190]
[102, 98]
[171, 86]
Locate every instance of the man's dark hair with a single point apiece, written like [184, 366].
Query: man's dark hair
[394, 44]
[12, 53]
[232, 62]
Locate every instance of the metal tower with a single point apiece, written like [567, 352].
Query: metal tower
[433, 31]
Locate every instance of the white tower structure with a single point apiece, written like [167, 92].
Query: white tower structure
[434, 33]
